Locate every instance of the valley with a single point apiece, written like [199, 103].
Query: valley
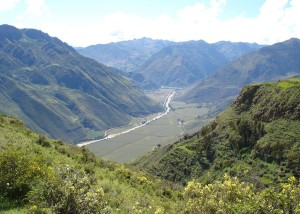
[152, 107]
[145, 144]
[145, 121]
[145, 134]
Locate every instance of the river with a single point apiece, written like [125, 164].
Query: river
[167, 110]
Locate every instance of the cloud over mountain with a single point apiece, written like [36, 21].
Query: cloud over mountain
[81, 25]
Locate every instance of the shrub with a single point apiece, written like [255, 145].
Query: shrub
[18, 171]
[68, 191]
[42, 140]
[234, 196]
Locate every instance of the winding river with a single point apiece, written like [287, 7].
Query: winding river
[167, 110]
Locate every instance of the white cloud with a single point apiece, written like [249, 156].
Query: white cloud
[185, 26]
[277, 21]
[6, 5]
[34, 9]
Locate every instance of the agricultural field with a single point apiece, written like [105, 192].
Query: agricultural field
[181, 120]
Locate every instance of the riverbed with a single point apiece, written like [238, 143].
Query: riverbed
[167, 110]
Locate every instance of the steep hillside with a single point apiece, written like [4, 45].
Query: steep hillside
[127, 55]
[269, 63]
[39, 175]
[182, 64]
[257, 139]
[139, 80]
[56, 91]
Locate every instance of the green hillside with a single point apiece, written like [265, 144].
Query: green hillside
[54, 90]
[39, 175]
[257, 139]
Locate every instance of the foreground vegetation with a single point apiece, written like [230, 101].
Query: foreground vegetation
[39, 175]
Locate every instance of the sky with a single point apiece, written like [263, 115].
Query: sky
[87, 22]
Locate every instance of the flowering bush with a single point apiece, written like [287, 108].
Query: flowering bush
[69, 191]
[18, 171]
[233, 196]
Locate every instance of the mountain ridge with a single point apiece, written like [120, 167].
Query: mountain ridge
[176, 63]
[182, 64]
[124, 55]
[41, 74]
[269, 63]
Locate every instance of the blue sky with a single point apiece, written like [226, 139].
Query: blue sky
[87, 22]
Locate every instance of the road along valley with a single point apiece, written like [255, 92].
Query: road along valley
[127, 144]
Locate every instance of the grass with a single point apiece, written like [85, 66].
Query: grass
[186, 150]
[124, 187]
[284, 84]
[15, 210]
[266, 180]
[92, 134]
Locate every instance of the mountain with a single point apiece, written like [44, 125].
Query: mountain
[257, 139]
[55, 90]
[160, 62]
[270, 63]
[139, 80]
[126, 55]
[234, 50]
[182, 64]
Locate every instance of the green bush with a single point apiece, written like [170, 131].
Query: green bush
[69, 191]
[18, 171]
[233, 196]
[42, 140]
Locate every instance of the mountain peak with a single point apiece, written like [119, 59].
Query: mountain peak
[14, 34]
[292, 41]
[36, 34]
[9, 32]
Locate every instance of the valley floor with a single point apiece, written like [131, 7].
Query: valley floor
[182, 119]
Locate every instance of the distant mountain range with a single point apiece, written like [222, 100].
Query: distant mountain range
[126, 55]
[234, 50]
[55, 90]
[269, 63]
[182, 64]
[165, 63]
